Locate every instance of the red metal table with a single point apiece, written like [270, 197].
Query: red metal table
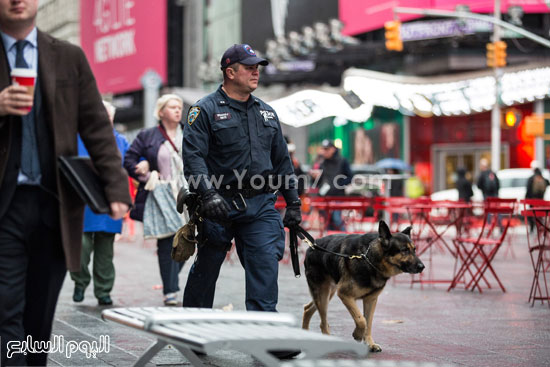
[423, 221]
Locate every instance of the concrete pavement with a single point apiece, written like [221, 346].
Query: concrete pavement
[460, 328]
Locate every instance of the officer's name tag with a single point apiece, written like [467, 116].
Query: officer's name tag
[222, 116]
[267, 115]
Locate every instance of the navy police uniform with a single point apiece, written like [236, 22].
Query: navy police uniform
[227, 142]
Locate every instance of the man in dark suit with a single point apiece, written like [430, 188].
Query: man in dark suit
[41, 217]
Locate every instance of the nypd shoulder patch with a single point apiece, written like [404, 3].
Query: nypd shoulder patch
[193, 114]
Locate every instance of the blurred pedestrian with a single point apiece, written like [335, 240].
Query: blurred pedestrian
[487, 181]
[464, 186]
[396, 185]
[154, 159]
[233, 146]
[536, 187]
[489, 185]
[98, 237]
[334, 176]
[41, 216]
[414, 188]
[396, 190]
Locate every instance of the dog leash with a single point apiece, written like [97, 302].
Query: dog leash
[293, 247]
[296, 231]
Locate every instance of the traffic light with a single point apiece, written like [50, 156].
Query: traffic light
[393, 35]
[496, 54]
[511, 117]
[491, 61]
[500, 54]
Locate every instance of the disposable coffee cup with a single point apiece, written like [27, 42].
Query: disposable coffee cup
[25, 78]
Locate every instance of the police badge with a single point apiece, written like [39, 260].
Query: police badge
[193, 114]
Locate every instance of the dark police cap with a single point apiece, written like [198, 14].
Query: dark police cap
[243, 54]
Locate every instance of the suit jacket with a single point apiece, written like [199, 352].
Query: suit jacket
[71, 104]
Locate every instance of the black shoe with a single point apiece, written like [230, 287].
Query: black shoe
[285, 354]
[105, 301]
[78, 295]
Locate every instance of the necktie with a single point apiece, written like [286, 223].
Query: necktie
[19, 56]
[29, 153]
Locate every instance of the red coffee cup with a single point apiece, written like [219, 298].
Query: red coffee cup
[26, 78]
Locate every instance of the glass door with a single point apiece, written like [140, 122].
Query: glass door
[448, 158]
[453, 162]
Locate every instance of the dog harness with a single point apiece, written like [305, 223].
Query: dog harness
[297, 231]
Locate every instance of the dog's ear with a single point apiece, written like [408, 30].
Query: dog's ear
[407, 231]
[384, 231]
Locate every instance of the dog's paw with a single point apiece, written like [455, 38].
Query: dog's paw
[359, 334]
[374, 348]
[325, 328]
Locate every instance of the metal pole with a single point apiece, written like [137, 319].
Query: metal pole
[151, 82]
[192, 41]
[495, 113]
[538, 109]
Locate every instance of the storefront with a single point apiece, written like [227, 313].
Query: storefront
[441, 145]
[437, 124]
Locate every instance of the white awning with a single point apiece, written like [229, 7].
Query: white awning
[448, 95]
[461, 94]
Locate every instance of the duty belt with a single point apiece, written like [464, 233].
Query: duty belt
[236, 196]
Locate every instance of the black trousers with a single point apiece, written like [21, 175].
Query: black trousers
[32, 269]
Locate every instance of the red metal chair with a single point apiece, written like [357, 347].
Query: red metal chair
[510, 239]
[477, 253]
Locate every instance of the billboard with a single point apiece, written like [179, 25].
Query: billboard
[370, 146]
[267, 19]
[123, 39]
[367, 15]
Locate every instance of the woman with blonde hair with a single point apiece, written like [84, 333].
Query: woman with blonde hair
[154, 159]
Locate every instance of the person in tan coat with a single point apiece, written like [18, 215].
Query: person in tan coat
[41, 216]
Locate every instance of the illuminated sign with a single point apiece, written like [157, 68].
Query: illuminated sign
[122, 40]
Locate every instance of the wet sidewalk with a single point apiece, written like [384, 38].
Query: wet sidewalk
[460, 328]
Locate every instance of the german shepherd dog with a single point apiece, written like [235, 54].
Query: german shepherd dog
[381, 256]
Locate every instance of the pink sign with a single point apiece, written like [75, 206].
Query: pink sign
[122, 40]
[367, 15]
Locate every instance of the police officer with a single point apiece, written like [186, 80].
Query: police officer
[235, 157]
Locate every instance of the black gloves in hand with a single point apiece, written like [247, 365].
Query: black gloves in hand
[214, 206]
[293, 214]
[184, 197]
